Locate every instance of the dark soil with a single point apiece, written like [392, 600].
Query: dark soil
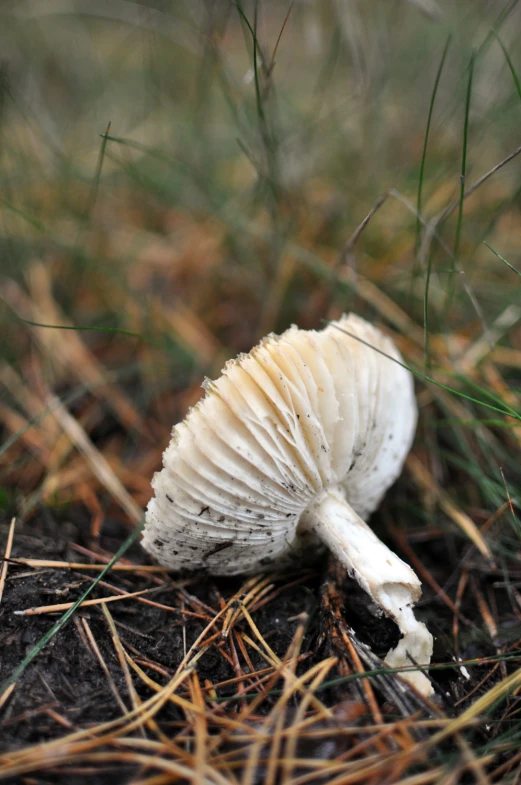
[65, 687]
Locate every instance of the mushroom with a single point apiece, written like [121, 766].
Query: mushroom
[290, 450]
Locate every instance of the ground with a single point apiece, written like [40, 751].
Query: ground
[79, 680]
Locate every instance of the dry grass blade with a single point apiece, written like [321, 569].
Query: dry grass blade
[200, 728]
[480, 707]
[191, 331]
[479, 182]
[120, 757]
[7, 694]
[72, 352]
[30, 758]
[274, 723]
[104, 667]
[136, 701]
[17, 424]
[284, 670]
[426, 575]
[31, 402]
[486, 343]
[95, 459]
[273, 726]
[387, 308]
[504, 355]
[425, 479]
[433, 224]
[292, 734]
[254, 590]
[183, 703]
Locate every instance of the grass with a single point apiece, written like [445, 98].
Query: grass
[178, 179]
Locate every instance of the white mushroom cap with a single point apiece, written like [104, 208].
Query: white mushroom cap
[294, 446]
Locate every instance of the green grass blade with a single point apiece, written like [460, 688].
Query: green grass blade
[514, 269]
[503, 410]
[450, 287]
[253, 33]
[426, 141]
[419, 205]
[119, 330]
[97, 175]
[513, 71]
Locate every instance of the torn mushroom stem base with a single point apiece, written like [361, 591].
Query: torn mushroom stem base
[389, 581]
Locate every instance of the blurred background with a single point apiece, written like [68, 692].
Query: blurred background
[180, 178]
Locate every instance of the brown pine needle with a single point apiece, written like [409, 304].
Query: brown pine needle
[134, 697]
[104, 666]
[7, 694]
[63, 606]
[66, 565]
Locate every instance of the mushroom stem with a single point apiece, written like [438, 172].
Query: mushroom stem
[388, 580]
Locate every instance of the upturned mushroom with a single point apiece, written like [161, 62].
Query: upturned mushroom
[290, 450]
